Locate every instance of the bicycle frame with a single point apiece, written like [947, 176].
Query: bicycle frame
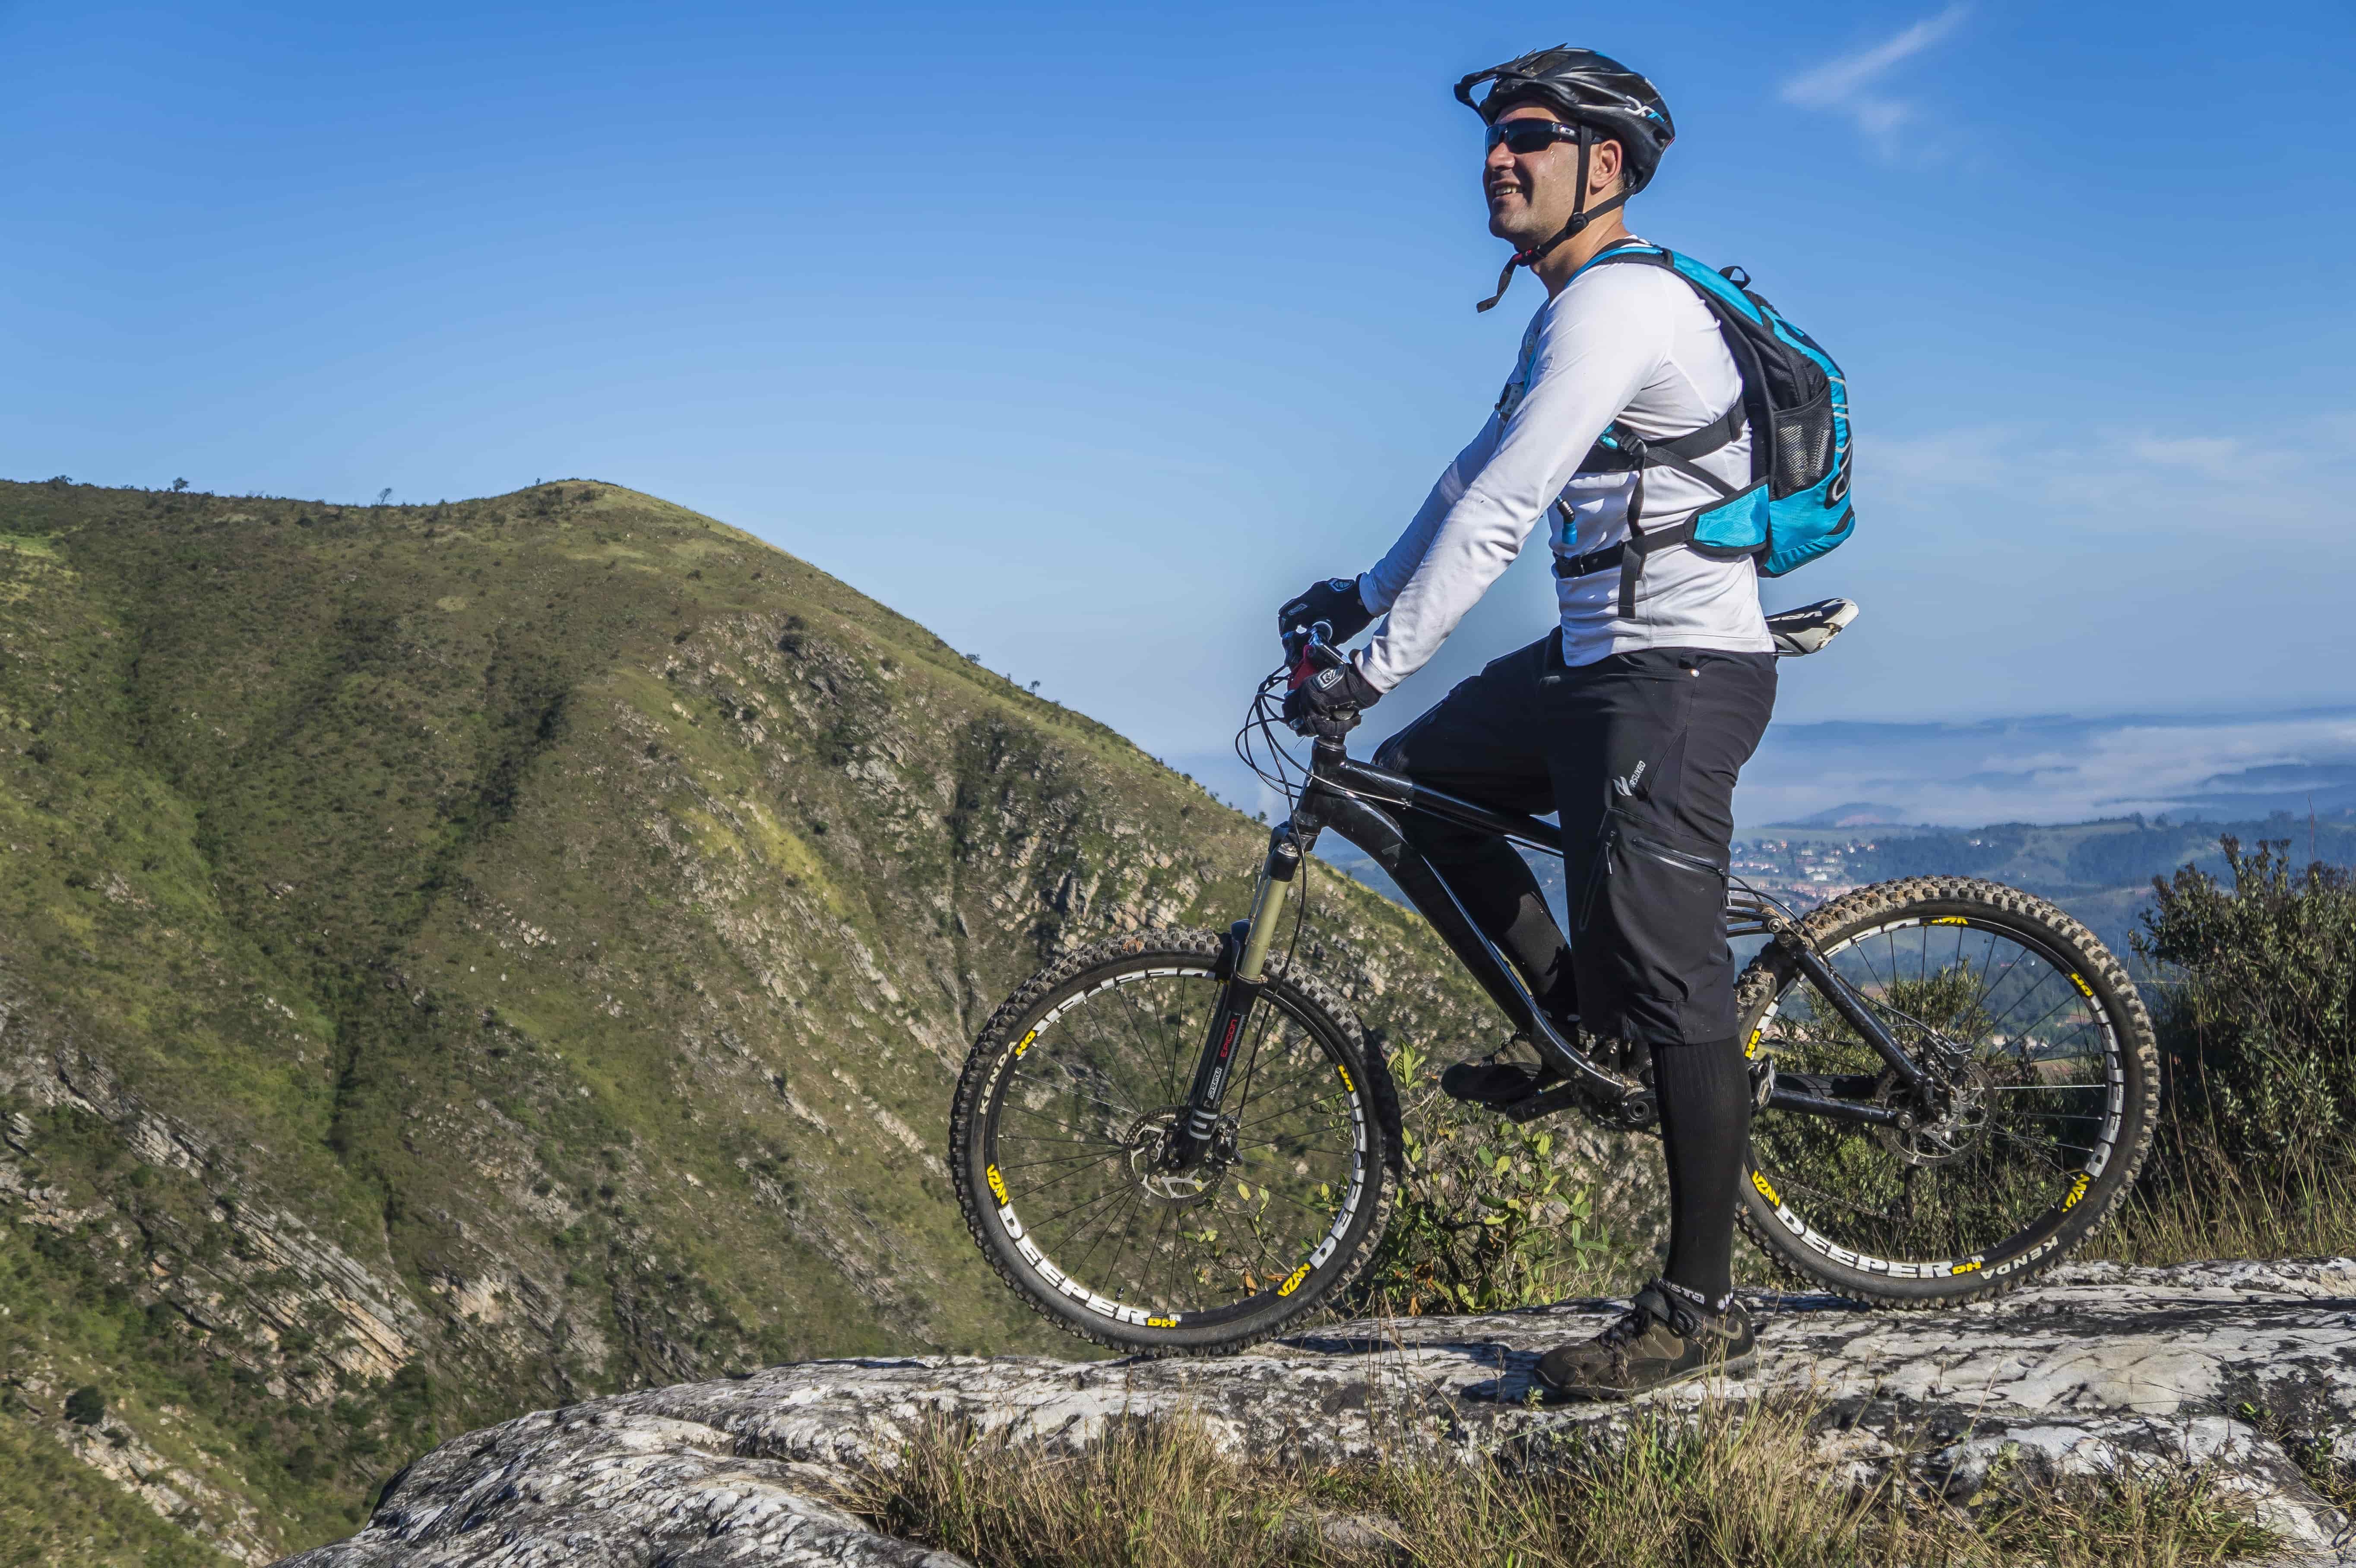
[1358, 801]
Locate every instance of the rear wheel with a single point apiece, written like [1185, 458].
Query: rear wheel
[2055, 1091]
[1063, 1113]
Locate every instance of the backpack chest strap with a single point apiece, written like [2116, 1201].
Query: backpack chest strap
[1622, 451]
[1628, 556]
[1631, 452]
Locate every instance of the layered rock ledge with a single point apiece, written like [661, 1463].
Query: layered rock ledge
[2236, 1365]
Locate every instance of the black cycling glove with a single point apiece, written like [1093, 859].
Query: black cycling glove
[1328, 703]
[1335, 603]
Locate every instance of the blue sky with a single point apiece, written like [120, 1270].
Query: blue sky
[1084, 335]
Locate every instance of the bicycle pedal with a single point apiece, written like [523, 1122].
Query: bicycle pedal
[1545, 1102]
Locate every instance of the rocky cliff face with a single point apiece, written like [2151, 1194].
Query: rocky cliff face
[2101, 1367]
[465, 958]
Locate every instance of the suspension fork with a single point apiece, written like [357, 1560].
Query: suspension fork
[1244, 964]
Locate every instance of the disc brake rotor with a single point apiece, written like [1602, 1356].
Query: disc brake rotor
[1149, 1138]
[1949, 1135]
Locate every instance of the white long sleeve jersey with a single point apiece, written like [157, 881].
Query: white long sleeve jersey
[1625, 342]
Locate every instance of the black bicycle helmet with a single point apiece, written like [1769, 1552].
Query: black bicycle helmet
[1604, 98]
[1585, 89]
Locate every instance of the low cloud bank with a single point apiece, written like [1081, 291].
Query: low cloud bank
[2057, 769]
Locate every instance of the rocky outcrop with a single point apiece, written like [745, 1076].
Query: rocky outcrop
[2244, 1367]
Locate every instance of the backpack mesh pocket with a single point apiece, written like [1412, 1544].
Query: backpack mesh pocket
[1804, 445]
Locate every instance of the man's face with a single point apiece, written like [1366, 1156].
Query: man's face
[1532, 195]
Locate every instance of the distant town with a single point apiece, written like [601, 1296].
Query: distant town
[1806, 869]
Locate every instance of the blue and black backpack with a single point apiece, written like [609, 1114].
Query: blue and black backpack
[1796, 402]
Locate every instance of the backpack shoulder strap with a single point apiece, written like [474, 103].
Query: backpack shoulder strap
[1621, 449]
[1630, 250]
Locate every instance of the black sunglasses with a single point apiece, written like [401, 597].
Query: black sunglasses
[1523, 137]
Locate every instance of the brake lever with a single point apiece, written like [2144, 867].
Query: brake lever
[1316, 654]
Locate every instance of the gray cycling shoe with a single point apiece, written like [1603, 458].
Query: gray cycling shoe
[1512, 1072]
[1666, 1337]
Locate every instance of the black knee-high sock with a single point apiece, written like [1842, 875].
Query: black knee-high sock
[1705, 1095]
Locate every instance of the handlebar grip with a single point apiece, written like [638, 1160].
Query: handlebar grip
[1315, 655]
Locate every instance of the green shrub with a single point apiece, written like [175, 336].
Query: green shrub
[85, 1406]
[2256, 1006]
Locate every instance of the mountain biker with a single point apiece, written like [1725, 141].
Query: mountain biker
[1632, 719]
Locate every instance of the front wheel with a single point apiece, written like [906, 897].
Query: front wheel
[2055, 1092]
[1063, 1111]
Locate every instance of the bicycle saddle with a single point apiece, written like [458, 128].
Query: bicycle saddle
[1809, 627]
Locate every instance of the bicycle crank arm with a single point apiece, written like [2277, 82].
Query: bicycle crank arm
[1248, 944]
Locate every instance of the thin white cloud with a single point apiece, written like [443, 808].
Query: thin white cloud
[1850, 85]
[2096, 482]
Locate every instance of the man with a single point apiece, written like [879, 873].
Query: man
[1632, 719]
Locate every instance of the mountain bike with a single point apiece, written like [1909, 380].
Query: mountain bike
[1178, 1142]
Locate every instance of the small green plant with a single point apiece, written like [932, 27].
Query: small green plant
[1485, 1221]
[86, 1406]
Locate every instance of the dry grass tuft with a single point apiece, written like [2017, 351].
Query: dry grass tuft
[2203, 1204]
[1726, 1486]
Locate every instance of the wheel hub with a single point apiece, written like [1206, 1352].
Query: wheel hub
[1148, 1140]
[1937, 1133]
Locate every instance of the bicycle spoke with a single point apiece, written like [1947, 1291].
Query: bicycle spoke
[1251, 1062]
[1996, 1024]
[1272, 1143]
[1006, 1137]
[1829, 1197]
[2036, 1150]
[1083, 1203]
[1073, 1088]
[1112, 1268]
[1325, 1099]
[1297, 1203]
[1130, 1007]
[1031, 1193]
[1114, 1217]
[2050, 1143]
[1159, 1294]
[1059, 1159]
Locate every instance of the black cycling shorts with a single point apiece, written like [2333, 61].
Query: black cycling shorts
[1639, 753]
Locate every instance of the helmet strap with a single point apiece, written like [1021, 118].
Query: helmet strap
[1582, 214]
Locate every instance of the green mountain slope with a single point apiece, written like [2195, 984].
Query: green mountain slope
[457, 959]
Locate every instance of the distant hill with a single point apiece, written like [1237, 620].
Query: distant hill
[458, 959]
[1854, 813]
[2100, 871]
